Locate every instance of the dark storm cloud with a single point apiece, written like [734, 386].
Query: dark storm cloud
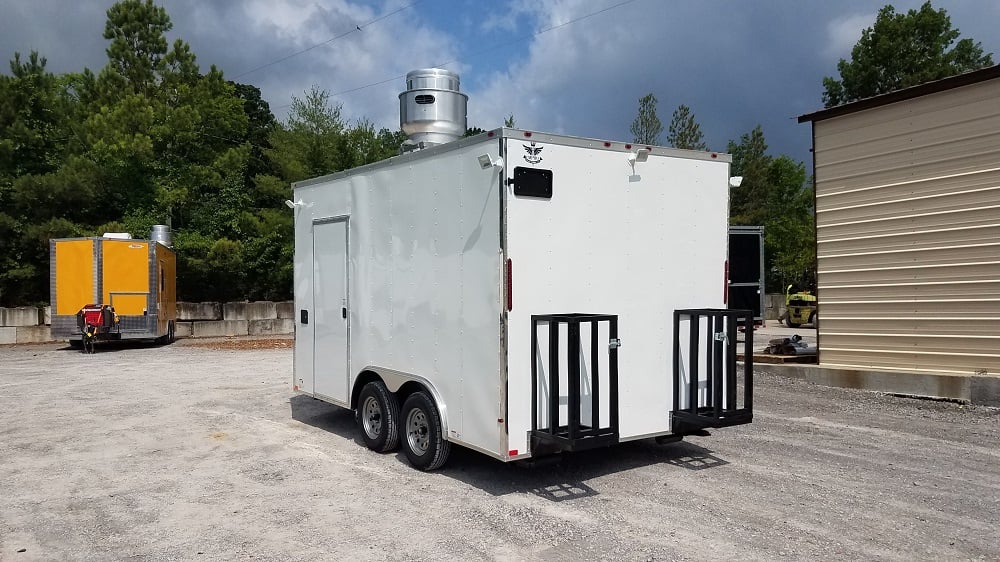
[735, 63]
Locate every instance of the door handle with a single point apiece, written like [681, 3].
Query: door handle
[343, 312]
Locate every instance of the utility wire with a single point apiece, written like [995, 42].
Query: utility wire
[356, 29]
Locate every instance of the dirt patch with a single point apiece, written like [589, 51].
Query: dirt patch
[244, 344]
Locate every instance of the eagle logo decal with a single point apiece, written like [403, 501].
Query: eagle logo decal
[532, 156]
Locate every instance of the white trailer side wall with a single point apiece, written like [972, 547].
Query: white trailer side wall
[424, 278]
[604, 244]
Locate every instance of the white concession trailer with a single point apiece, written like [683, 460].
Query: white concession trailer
[517, 293]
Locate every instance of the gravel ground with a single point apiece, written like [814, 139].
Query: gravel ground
[200, 451]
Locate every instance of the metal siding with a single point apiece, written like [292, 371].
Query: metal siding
[126, 276]
[73, 275]
[908, 233]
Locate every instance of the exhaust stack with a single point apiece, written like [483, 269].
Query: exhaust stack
[432, 110]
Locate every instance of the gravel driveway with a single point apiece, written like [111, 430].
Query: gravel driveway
[193, 453]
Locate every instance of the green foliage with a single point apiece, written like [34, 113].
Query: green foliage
[684, 131]
[774, 193]
[903, 50]
[150, 139]
[646, 128]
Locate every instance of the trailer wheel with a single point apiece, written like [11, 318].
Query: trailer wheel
[423, 440]
[378, 416]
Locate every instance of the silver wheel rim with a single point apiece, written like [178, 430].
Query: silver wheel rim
[371, 417]
[417, 431]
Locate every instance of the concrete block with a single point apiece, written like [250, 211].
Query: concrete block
[20, 316]
[219, 328]
[930, 385]
[47, 315]
[984, 390]
[285, 309]
[259, 310]
[199, 311]
[234, 311]
[33, 334]
[183, 329]
[774, 305]
[272, 326]
[8, 335]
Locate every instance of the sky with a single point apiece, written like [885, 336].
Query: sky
[575, 67]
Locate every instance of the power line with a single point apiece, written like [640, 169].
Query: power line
[476, 53]
[356, 29]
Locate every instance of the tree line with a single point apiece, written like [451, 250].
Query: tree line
[151, 138]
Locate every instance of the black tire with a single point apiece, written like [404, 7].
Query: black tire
[378, 417]
[422, 435]
[789, 322]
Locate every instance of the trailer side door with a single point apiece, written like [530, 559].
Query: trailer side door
[330, 325]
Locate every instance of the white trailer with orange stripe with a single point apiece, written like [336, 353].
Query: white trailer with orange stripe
[136, 278]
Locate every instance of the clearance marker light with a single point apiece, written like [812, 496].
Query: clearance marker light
[510, 285]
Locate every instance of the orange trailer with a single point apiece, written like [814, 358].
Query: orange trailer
[136, 279]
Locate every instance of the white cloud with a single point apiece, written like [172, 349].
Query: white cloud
[843, 33]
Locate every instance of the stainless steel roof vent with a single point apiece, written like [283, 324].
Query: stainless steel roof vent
[161, 233]
[432, 110]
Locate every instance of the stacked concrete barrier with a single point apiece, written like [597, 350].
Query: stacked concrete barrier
[30, 324]
[259, 318]
[24, 324]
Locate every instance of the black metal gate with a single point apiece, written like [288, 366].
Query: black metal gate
[710, 395]
[553, 432]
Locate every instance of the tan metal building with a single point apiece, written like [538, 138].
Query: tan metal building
[908, 228]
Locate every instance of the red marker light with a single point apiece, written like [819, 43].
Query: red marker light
[510, 285]
[527, 133]
[490, 134]
[714, 155]
[607, 145]
[628, 147]
[512, 453]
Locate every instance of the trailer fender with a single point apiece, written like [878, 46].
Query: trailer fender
[394, 381]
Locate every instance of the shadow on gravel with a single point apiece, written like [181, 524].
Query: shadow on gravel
[115, 346]
[325, 416]
[556, 478]
[564, 477]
